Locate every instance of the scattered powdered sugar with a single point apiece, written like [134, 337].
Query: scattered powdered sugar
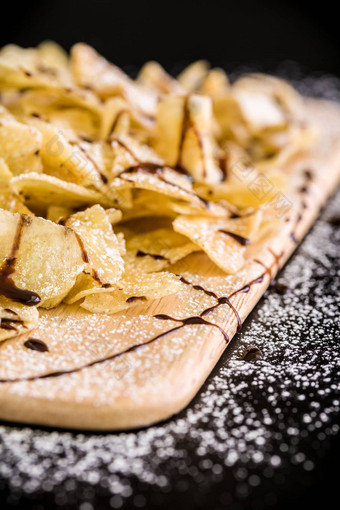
[252, 422]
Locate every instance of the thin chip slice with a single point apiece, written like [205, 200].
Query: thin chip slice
[197, 151]
[134, 288]
[16, 318]
[64, 160]
[154, 77]
[193, 76]
[183, 136]
[223, 241]
[84, 286]
[115, 120]
[19, 144]
[93, 71]
[41, 260]
[9, 199]
[156, 249]
[159, 179]
[101, 248]
[40, 190]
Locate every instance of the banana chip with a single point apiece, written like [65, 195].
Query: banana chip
[101, 248]
[41, 260]
[224, 241]
[155, 250]
[40, 190]
[134, 288]
[19, 144]
[9, 199]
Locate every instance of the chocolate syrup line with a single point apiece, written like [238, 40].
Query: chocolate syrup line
[185, 125]
[124, 146]
[220, 301]
[7, 286]
[303, 190]
[184, 322]
[92, 363]
[240, 239]
[94, 163]
[153, 168]
[193, 320]
[155, 256]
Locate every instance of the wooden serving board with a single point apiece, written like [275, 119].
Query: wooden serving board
[115, 382]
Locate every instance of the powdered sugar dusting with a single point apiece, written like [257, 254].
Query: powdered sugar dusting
[251, 423]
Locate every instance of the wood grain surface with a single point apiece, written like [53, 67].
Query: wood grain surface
[142, 384]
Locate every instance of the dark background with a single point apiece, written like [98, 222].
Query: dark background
[230, 33]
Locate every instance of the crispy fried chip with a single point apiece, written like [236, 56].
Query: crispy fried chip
[19, 144]
[183, 136]
[64, 160]
[155, 250]
[47, 258]
[16, 318]
[222, 240]
[96, 73]
[193, 76]
[134, 288]
[40, 190]
[101, 248]
[154, 77]
[9, 199]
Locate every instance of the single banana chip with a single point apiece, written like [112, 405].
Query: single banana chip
[134, 288]
[40, 190]
[100, 247]
[155, 250]
[19, 144]
[9, 198]
[41, 260]
[223, 240]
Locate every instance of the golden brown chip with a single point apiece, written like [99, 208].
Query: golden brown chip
[9, 199]
[43, 258]
[40, 190]
[64, 160]
[92, 71]
[183, 136]
[223, 240]
[154, 77]
[19, 144]
[101, 248]
[156, 249]
[193, 76]
[134, 288]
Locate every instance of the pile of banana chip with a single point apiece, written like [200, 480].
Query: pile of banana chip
[105, 181]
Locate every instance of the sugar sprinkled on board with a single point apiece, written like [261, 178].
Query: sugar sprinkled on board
[248, 415]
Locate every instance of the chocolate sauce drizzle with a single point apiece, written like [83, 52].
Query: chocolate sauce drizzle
[240, 239]
[36, 345]
[10, 324]
[303, 190]
[252, 353]
[156, 256]
[183, 322]
[7, 286]
[153, 168]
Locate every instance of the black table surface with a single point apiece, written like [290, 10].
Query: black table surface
[260, 434]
